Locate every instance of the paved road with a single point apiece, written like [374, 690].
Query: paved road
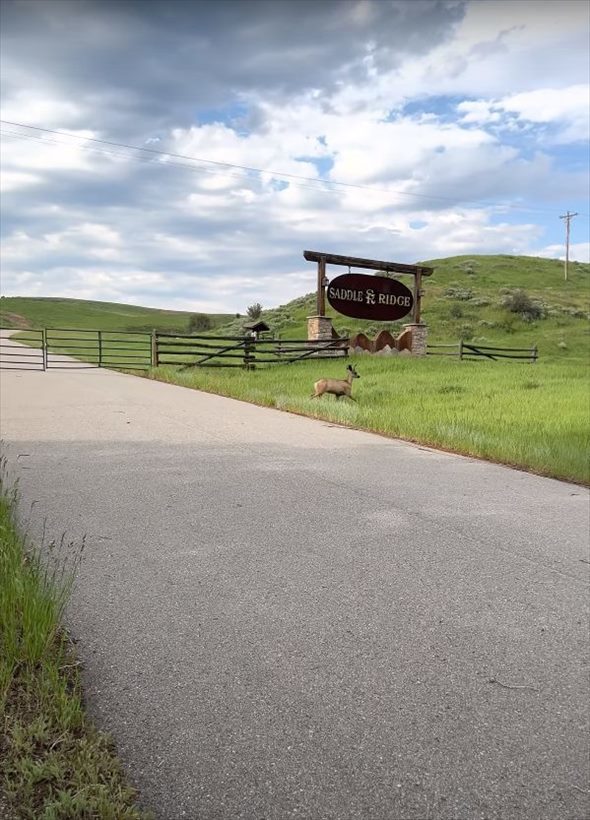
[282, 618]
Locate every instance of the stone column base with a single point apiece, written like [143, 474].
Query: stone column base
[319, 328]
[419, 336]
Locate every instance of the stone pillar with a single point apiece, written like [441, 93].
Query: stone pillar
[319, 328]
[419, 338]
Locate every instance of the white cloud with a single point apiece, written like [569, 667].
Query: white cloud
[84, 219]
[579, 252]
[565, 108]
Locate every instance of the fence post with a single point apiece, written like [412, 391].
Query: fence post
[99, 347]
[154, 343]
[44, 347]
[460, 348]
[534, 354]
[249, 353]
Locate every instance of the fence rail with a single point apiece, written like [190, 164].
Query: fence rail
[469, 352]
[75, 348]
[239, 351]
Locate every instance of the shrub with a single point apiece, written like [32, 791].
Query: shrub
[455, 312]
[198, 322]
[469, 266]
[518, 301]
[455, 291]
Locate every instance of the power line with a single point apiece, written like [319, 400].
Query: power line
[315, 182]
[169, 163]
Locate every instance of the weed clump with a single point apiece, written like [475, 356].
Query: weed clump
[458, 292]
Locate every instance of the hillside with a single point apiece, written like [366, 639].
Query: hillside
[465, 298]
[23, 312]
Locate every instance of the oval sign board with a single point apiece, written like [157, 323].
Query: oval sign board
[370, 297]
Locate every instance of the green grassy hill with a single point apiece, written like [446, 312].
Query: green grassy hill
[466, 298]
[23, 312]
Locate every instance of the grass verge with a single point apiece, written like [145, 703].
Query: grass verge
[55, 763]
[534, 417]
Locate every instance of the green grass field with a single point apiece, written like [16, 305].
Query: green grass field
[535, 417]
[22, 312]
[55, 764]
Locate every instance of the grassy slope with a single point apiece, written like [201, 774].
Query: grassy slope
[80, 313]
[488, 323]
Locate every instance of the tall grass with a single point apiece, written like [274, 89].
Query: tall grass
[55, 764]
[535, 417]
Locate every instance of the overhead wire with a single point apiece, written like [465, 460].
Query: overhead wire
[312, 183]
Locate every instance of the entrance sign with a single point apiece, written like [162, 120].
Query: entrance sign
[398, 268]
[370, 297]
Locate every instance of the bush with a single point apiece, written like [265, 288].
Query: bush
[518, 301]
[455, 312]
[468, 267]
[198, 322]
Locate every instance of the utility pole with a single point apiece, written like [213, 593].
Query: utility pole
[568, 218]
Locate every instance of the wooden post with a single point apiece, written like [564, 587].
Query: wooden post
[249, 353]
[417, 291]
[154, 347]
[321, 297]
[99, 348]
[460, 348]
[534, 354]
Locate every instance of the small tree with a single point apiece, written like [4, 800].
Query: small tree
[254, 311]
[199, 322]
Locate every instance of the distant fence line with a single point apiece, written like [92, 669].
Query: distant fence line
[472, 352]
[68, 348]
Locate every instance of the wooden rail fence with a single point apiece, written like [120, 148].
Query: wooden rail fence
[238, 351]
[472, 352]
[71, 348]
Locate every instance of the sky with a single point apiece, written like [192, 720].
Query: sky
[183, 155]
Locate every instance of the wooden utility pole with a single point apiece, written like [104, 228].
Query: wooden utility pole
[568, 218]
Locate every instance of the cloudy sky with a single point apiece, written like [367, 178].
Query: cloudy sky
[184, 154]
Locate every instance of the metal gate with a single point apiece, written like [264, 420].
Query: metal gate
[67, 348]
[72, 349]
[28, 353]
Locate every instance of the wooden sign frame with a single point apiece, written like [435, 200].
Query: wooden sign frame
[323, 259]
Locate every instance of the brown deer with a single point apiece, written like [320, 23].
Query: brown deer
[338, 387]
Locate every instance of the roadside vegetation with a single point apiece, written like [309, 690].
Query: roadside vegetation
[55, 764]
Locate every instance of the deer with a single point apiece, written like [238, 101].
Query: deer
[338, 387]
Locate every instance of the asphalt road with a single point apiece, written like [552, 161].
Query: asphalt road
[281, 618]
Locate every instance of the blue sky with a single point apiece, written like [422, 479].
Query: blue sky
[387, 129]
